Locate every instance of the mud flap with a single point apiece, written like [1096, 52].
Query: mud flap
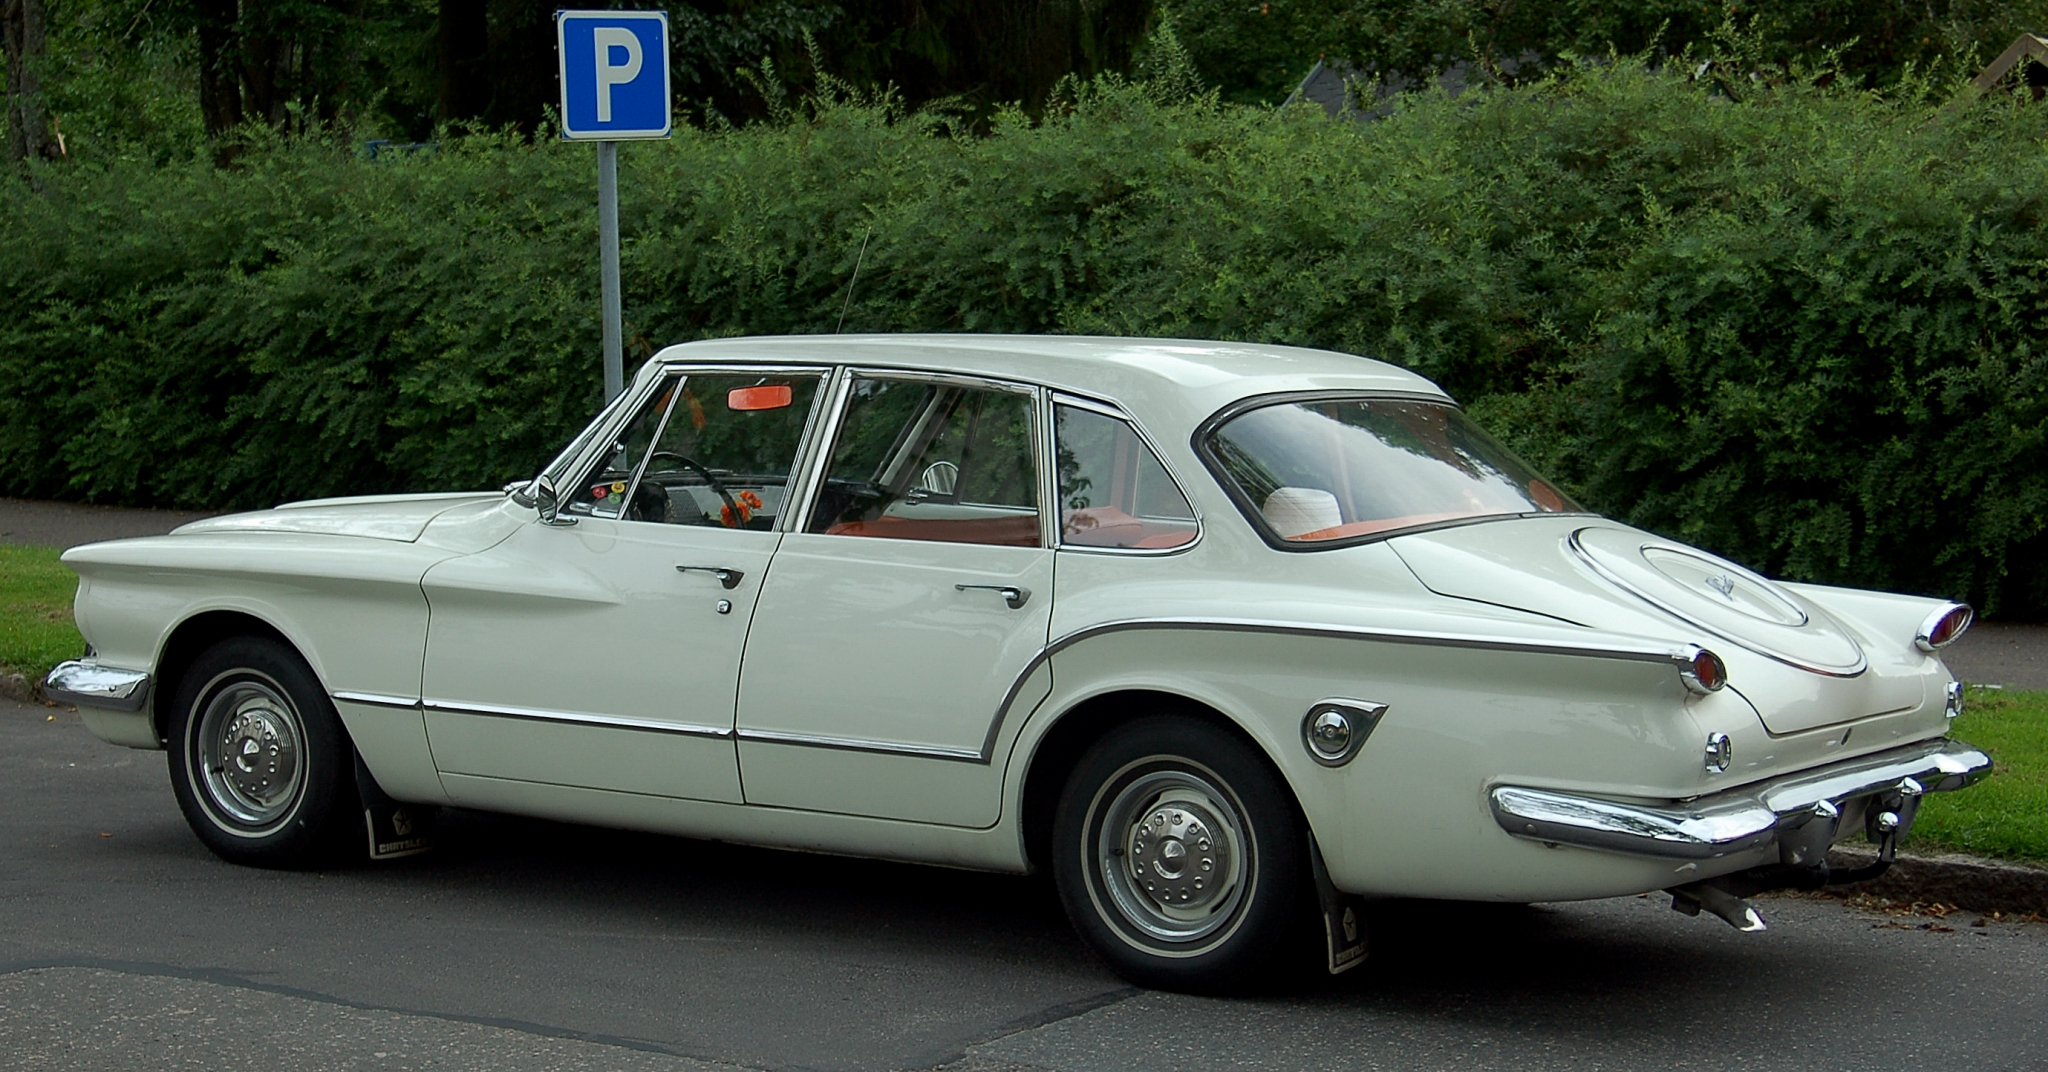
[394, 829]
[1343, 915]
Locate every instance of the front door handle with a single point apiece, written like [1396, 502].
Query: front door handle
[728, 577]
[1013, 595]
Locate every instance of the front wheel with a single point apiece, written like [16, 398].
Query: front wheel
[1179, 856]
[260, 763]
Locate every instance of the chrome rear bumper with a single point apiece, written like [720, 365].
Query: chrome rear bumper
[85, 684]
[1801, 812]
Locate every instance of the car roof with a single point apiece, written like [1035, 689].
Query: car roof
[1188, 378]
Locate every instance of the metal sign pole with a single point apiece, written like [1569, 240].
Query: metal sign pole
[614, 72]
[608, 255]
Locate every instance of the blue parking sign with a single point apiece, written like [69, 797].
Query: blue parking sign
[614, 71]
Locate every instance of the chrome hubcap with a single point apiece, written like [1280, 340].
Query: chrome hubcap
[250, 743]
[1171, 855]
[1177, 858]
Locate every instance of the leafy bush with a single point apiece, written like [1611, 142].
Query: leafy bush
[1799, 329]
[1258, 52]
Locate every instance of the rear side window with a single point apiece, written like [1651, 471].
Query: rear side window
[1113, 490]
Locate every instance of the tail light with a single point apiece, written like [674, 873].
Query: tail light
[1701, 670]
[1943, 626]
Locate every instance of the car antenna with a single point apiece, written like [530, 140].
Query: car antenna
[870, 233]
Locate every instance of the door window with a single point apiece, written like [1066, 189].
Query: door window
[1113, 490]
[725, 455]
[722, 448]
[916, 460]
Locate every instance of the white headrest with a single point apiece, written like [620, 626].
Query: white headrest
[1294, 511]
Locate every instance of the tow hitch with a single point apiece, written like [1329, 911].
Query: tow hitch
[1803, 842]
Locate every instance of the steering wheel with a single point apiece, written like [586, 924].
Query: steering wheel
[732, 505]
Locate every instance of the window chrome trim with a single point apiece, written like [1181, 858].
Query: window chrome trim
[577, 718]
[605, 424]
[640, 467]
[1106, 409]
[953, 379]
[1046, 462]
[806, 445]
[1116, 413]
[821, 449]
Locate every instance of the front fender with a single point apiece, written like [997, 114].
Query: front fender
[352, 607]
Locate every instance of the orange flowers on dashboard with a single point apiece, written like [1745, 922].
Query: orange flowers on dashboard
[747, 501]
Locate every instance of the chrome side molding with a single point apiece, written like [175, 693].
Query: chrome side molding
[88, 684]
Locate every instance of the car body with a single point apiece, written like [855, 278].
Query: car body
[866, 629]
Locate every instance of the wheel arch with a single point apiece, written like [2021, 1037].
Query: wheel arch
[184, 643]
[1071, 732]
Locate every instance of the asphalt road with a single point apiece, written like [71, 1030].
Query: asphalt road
[124, 944]
[529, 945]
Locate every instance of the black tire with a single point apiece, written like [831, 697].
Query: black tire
[280, 788]
[1158, 912]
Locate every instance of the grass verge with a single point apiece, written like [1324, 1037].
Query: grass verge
[36, 630]
[2006, 815]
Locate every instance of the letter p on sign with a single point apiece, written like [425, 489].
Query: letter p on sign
[614, 71]
[610, 40]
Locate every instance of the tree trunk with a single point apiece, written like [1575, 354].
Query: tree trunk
[265, 59]
[28, 127]
[464, 70]
[220, 68]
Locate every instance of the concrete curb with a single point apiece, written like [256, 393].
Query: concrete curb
[1954, 879]
[20, 689]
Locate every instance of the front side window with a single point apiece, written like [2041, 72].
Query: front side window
[711, 449]
[917, 460]
[1332, 469]
[1113, 490]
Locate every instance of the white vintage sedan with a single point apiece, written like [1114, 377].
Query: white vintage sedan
[1225, 636]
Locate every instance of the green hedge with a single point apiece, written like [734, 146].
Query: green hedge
[1800, 329]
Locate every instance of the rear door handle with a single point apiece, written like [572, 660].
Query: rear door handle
[1013, 595]
[728, 577]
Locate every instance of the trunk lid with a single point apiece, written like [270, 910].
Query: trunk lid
[1799, 667]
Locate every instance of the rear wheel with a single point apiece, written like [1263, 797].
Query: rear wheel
[260, 763]
[1179, 856]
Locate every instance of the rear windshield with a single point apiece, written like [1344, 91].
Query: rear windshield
[1340, 468]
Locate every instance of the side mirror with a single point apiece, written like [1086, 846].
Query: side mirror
[939, 478]
[548, 502]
